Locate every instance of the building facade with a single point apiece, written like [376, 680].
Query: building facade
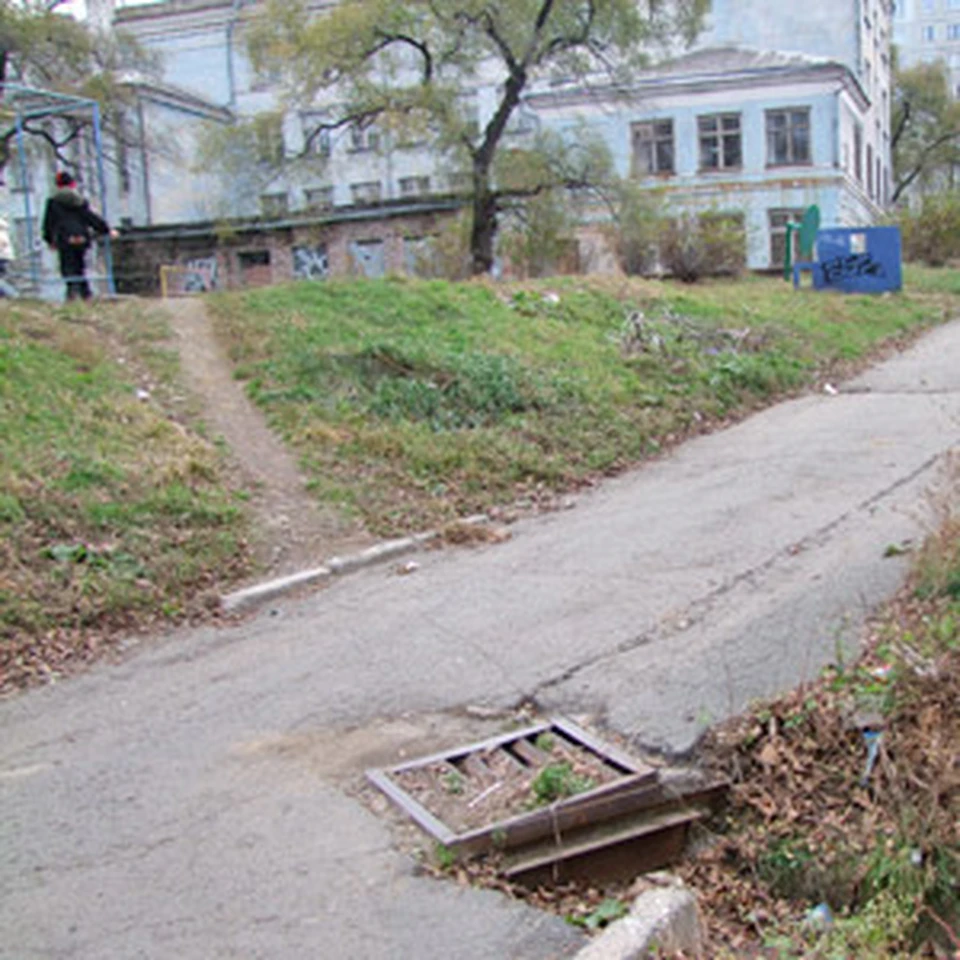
[929, 30]
[776, 108]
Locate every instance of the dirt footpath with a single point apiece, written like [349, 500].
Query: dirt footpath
[293, 531]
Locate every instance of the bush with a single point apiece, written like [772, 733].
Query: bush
[931, 234]
[637, 228]
[536, 239]
[693, 246]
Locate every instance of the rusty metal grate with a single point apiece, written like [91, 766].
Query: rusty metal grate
[630, 819]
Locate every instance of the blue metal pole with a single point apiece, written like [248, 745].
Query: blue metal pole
[107, 251]
[34, 254]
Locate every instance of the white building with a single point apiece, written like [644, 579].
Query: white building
[929, 30]
[778, 107]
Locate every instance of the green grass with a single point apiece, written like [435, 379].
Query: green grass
[413, 402]
[112, 515]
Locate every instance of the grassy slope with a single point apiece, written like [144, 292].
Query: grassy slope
[412, 402]
[112, 515]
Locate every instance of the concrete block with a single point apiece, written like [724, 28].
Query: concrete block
[665, 919]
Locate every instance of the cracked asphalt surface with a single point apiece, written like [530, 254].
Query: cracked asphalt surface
[199, 800]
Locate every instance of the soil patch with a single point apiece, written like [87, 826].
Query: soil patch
[482, 788]
[294, 532]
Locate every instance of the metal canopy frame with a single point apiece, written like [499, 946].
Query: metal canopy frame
[31, 103]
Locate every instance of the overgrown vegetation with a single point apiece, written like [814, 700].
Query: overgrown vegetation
[931, 231]
[842, 840]
[113, 515]
[414, 402]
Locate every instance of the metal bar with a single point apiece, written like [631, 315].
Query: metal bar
[107, 251]
[490, 744]
[603, 750]
[33, 254]
[419, 813]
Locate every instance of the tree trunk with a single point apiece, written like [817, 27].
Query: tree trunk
[483, 230]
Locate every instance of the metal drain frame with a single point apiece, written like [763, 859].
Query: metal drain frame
[634, 789]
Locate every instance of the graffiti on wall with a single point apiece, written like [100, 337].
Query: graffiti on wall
[369, 258]
[199, 275]
[311, 263]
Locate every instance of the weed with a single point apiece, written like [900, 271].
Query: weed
[606, 913]
[556, 781]
[545, 742]
[444, 857]
[453, 782]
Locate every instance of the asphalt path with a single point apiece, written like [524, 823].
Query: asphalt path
[202, 799]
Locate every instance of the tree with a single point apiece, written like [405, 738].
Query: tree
[926, 128]
[410, 64]
[42, 47]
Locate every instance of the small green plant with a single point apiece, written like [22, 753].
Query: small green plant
[444, 857]
[557, 781]
[545, 742]
[609, 910]
[453, 782]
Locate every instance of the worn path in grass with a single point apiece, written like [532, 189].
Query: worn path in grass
[295, 532]
[199, 801]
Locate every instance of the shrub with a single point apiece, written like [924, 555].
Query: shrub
[693, 246]
[536, 239]
[931, 234]
[636, 231]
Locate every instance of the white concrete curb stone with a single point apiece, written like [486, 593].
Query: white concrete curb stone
[391, 549]
[665, 919]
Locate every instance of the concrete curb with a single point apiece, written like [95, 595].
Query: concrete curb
[666, 920]
[259, 593]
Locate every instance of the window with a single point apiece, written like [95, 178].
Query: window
[653, 148]
[929, 6]
[869, 171]
[953, 31]
[929, 33]
[364, 137]
[319, 143]
[319, 198]
[274, 204]
[788, 137]
[778, 233]
[414, 186]
[370, 191]
[953, 4]
[253, 258]
[720, 143]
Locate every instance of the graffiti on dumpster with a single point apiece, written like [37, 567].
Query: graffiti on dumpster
[853, 265]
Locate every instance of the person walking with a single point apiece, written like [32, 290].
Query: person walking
[69, 226]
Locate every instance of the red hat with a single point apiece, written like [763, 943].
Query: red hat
[65, 179]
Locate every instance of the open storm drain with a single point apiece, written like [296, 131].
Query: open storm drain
[553, 802]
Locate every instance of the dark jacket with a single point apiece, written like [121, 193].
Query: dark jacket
[68, 221]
